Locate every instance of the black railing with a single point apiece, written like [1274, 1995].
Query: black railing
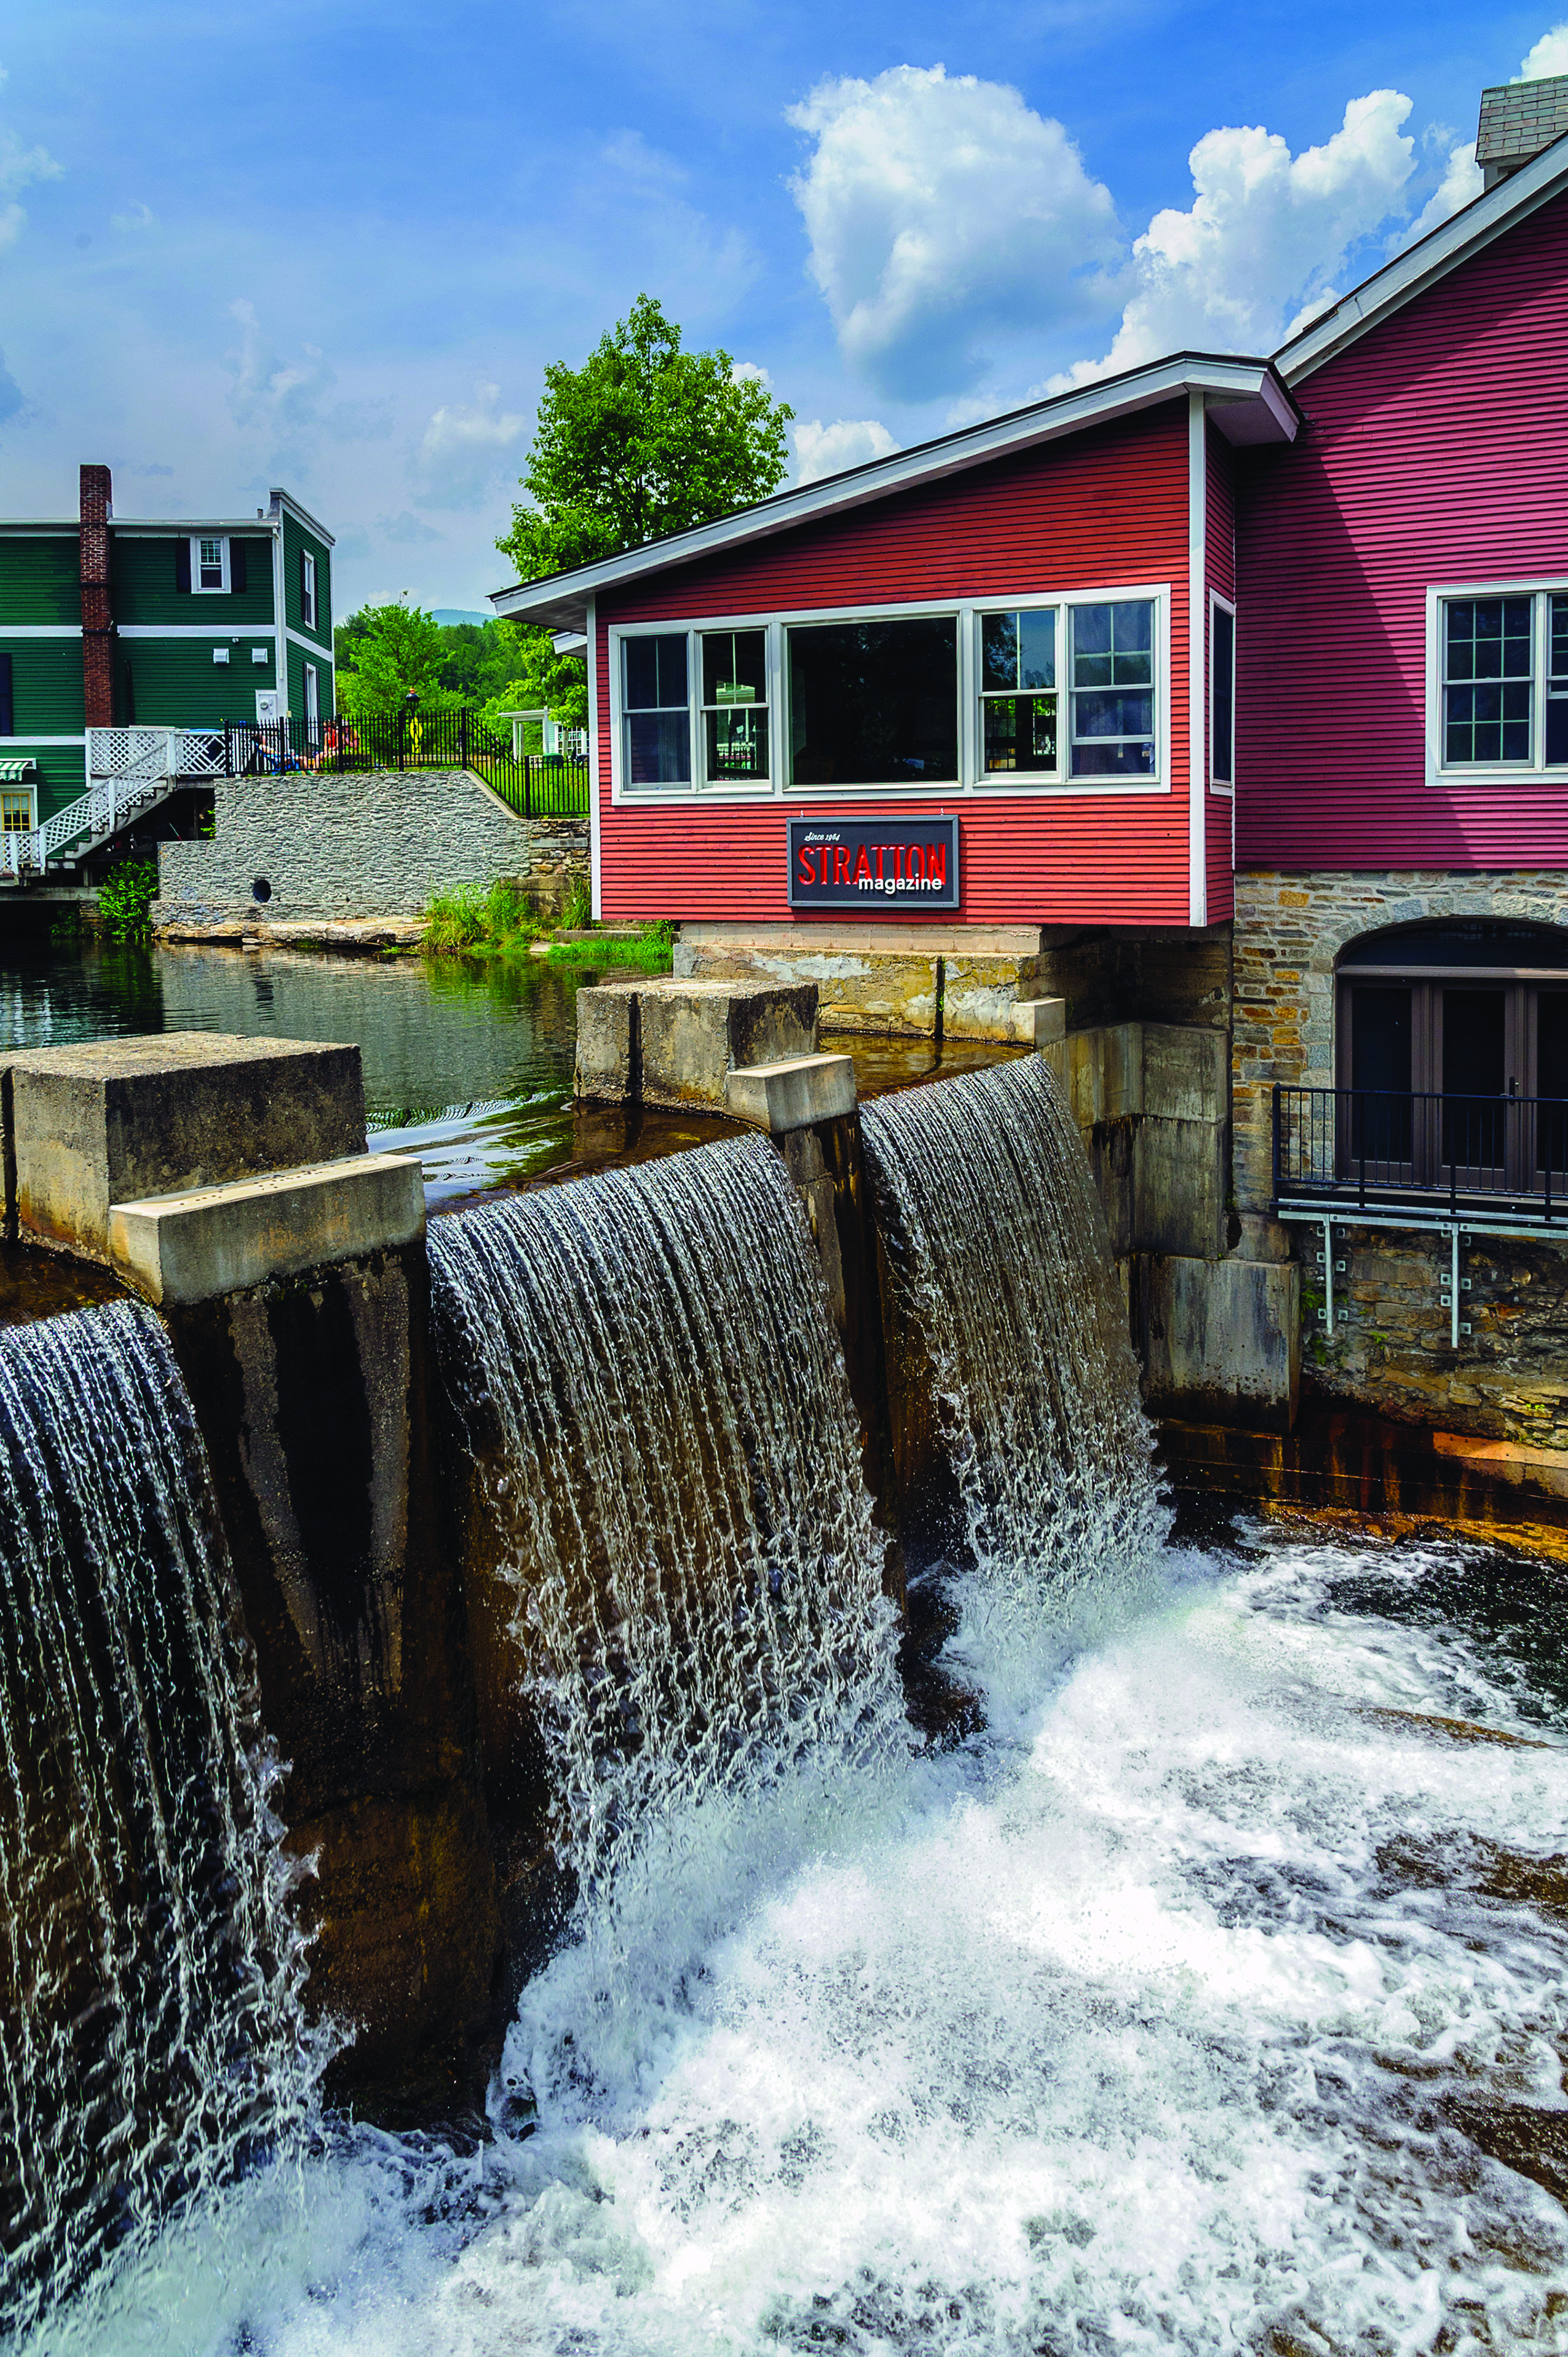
[539, 785]
[1371, 1146]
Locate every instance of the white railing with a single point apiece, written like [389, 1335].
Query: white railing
[128, 768]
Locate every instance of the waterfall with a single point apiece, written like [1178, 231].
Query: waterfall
[668, 1466]
[148, 1977]
[1001, 1276]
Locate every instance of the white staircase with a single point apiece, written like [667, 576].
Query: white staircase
[128, 770]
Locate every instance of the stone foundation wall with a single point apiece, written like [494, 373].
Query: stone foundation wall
[1509, 1379]
[371, 844]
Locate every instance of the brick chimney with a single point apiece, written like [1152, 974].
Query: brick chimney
[97, 621]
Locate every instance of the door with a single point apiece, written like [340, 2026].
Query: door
[1551, 1081]
[1382, 1139]
[1474, 1066]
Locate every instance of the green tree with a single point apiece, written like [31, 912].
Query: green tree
[642, 440]
[479, 659]
[399, 648]
[543, 678]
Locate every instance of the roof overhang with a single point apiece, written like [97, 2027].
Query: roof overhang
[1399, 281]
[1246, 399]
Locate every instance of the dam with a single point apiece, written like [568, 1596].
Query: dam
[651, 1765]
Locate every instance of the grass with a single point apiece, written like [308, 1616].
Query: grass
[501, 921]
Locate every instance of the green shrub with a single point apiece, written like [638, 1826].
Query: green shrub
[484, 923]
[125, 897]
[577, 908]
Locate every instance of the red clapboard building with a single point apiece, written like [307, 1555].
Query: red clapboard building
[1237, 688]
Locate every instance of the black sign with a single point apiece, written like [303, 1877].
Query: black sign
[874, 864]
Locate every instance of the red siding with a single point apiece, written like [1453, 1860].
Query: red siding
[1097, 509]
[1219, 555]
[1436, 450]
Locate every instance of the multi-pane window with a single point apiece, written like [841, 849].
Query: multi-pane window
[210, 554]
[735, 706]
[1112, 698]
[656, 708]
[1487, 677]
[1504, 680]
[1017, 693]
[16, 811]
[1557, 682]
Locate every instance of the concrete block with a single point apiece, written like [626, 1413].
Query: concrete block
[1179, 1186]
[1224, 1341]
[674, 1042]
[609, 1043]
[979, 993]
[213, 1239]
[1187, 1072]
[114, 1120]
[793, 1093]
[1040, 1022]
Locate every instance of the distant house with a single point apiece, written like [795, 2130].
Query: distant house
[108, 622]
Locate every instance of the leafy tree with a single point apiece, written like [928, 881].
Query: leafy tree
[479, 659]
[642, 440]
[399, 648]
[542, 677]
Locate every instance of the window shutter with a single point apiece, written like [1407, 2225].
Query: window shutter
[237, 564]
[182, 565]
[6, 714]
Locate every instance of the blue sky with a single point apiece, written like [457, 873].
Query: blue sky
[334, 246]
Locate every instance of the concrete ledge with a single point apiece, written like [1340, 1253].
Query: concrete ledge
[212, 1239]
[118, 1120]
[674, 1042]
[1039, 1021]
[793, 1093]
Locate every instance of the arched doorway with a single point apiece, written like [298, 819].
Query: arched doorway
[1452, 1038]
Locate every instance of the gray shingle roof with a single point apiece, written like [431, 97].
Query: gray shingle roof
[1519, 118]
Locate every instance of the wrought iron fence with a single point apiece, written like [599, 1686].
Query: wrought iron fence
[1368, 1147]
[538, 785]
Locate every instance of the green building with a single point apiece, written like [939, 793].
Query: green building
[113, 627]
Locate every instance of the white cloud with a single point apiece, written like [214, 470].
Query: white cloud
[136, 216]
[465, 451]
[407, 530]
[943, 212]
[827, 449]
[290, 402]
[751, 372]
[1460, 186]
[19, 167]
[1257, 252]
[1549, 56]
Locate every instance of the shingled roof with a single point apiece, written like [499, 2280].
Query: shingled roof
[1518, 119]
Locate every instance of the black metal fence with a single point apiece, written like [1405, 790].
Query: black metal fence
[1368, 1146]
[539, 785]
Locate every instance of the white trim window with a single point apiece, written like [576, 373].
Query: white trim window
[1017, 658]
[15, 810]
[307, 588]
[932, 698]
[1221, 693]
[312, 697]
[209, 564]
[1497, 680]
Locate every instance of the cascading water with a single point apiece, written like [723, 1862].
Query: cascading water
[670, 1469]
[1001, 1269]
[149, 2040]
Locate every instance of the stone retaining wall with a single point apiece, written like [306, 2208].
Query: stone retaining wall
[1510, 1376]
[367, 844]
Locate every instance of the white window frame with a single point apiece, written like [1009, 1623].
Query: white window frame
[972, 778]
[1441, 772]
[990, 781]
[310, 688]
[1220, 785]
[197, 590]
[310, 605]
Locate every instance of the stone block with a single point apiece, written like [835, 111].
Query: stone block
[1223, 1341]
[1040, 1022]
[979, 993]
[1179, 1174]
[214, 1239]
[879, 991]
[674, 1042]
[793, 1093]
[609, 1060]
[118, 1120]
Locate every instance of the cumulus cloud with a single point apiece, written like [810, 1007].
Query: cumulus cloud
[1460, 186]
[1549, 56]
[827, 449]
[134, 216]
[292, 401]
[464, 452]
[941, 213]
[1257, 253]
[19, 167]
[752, 372]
